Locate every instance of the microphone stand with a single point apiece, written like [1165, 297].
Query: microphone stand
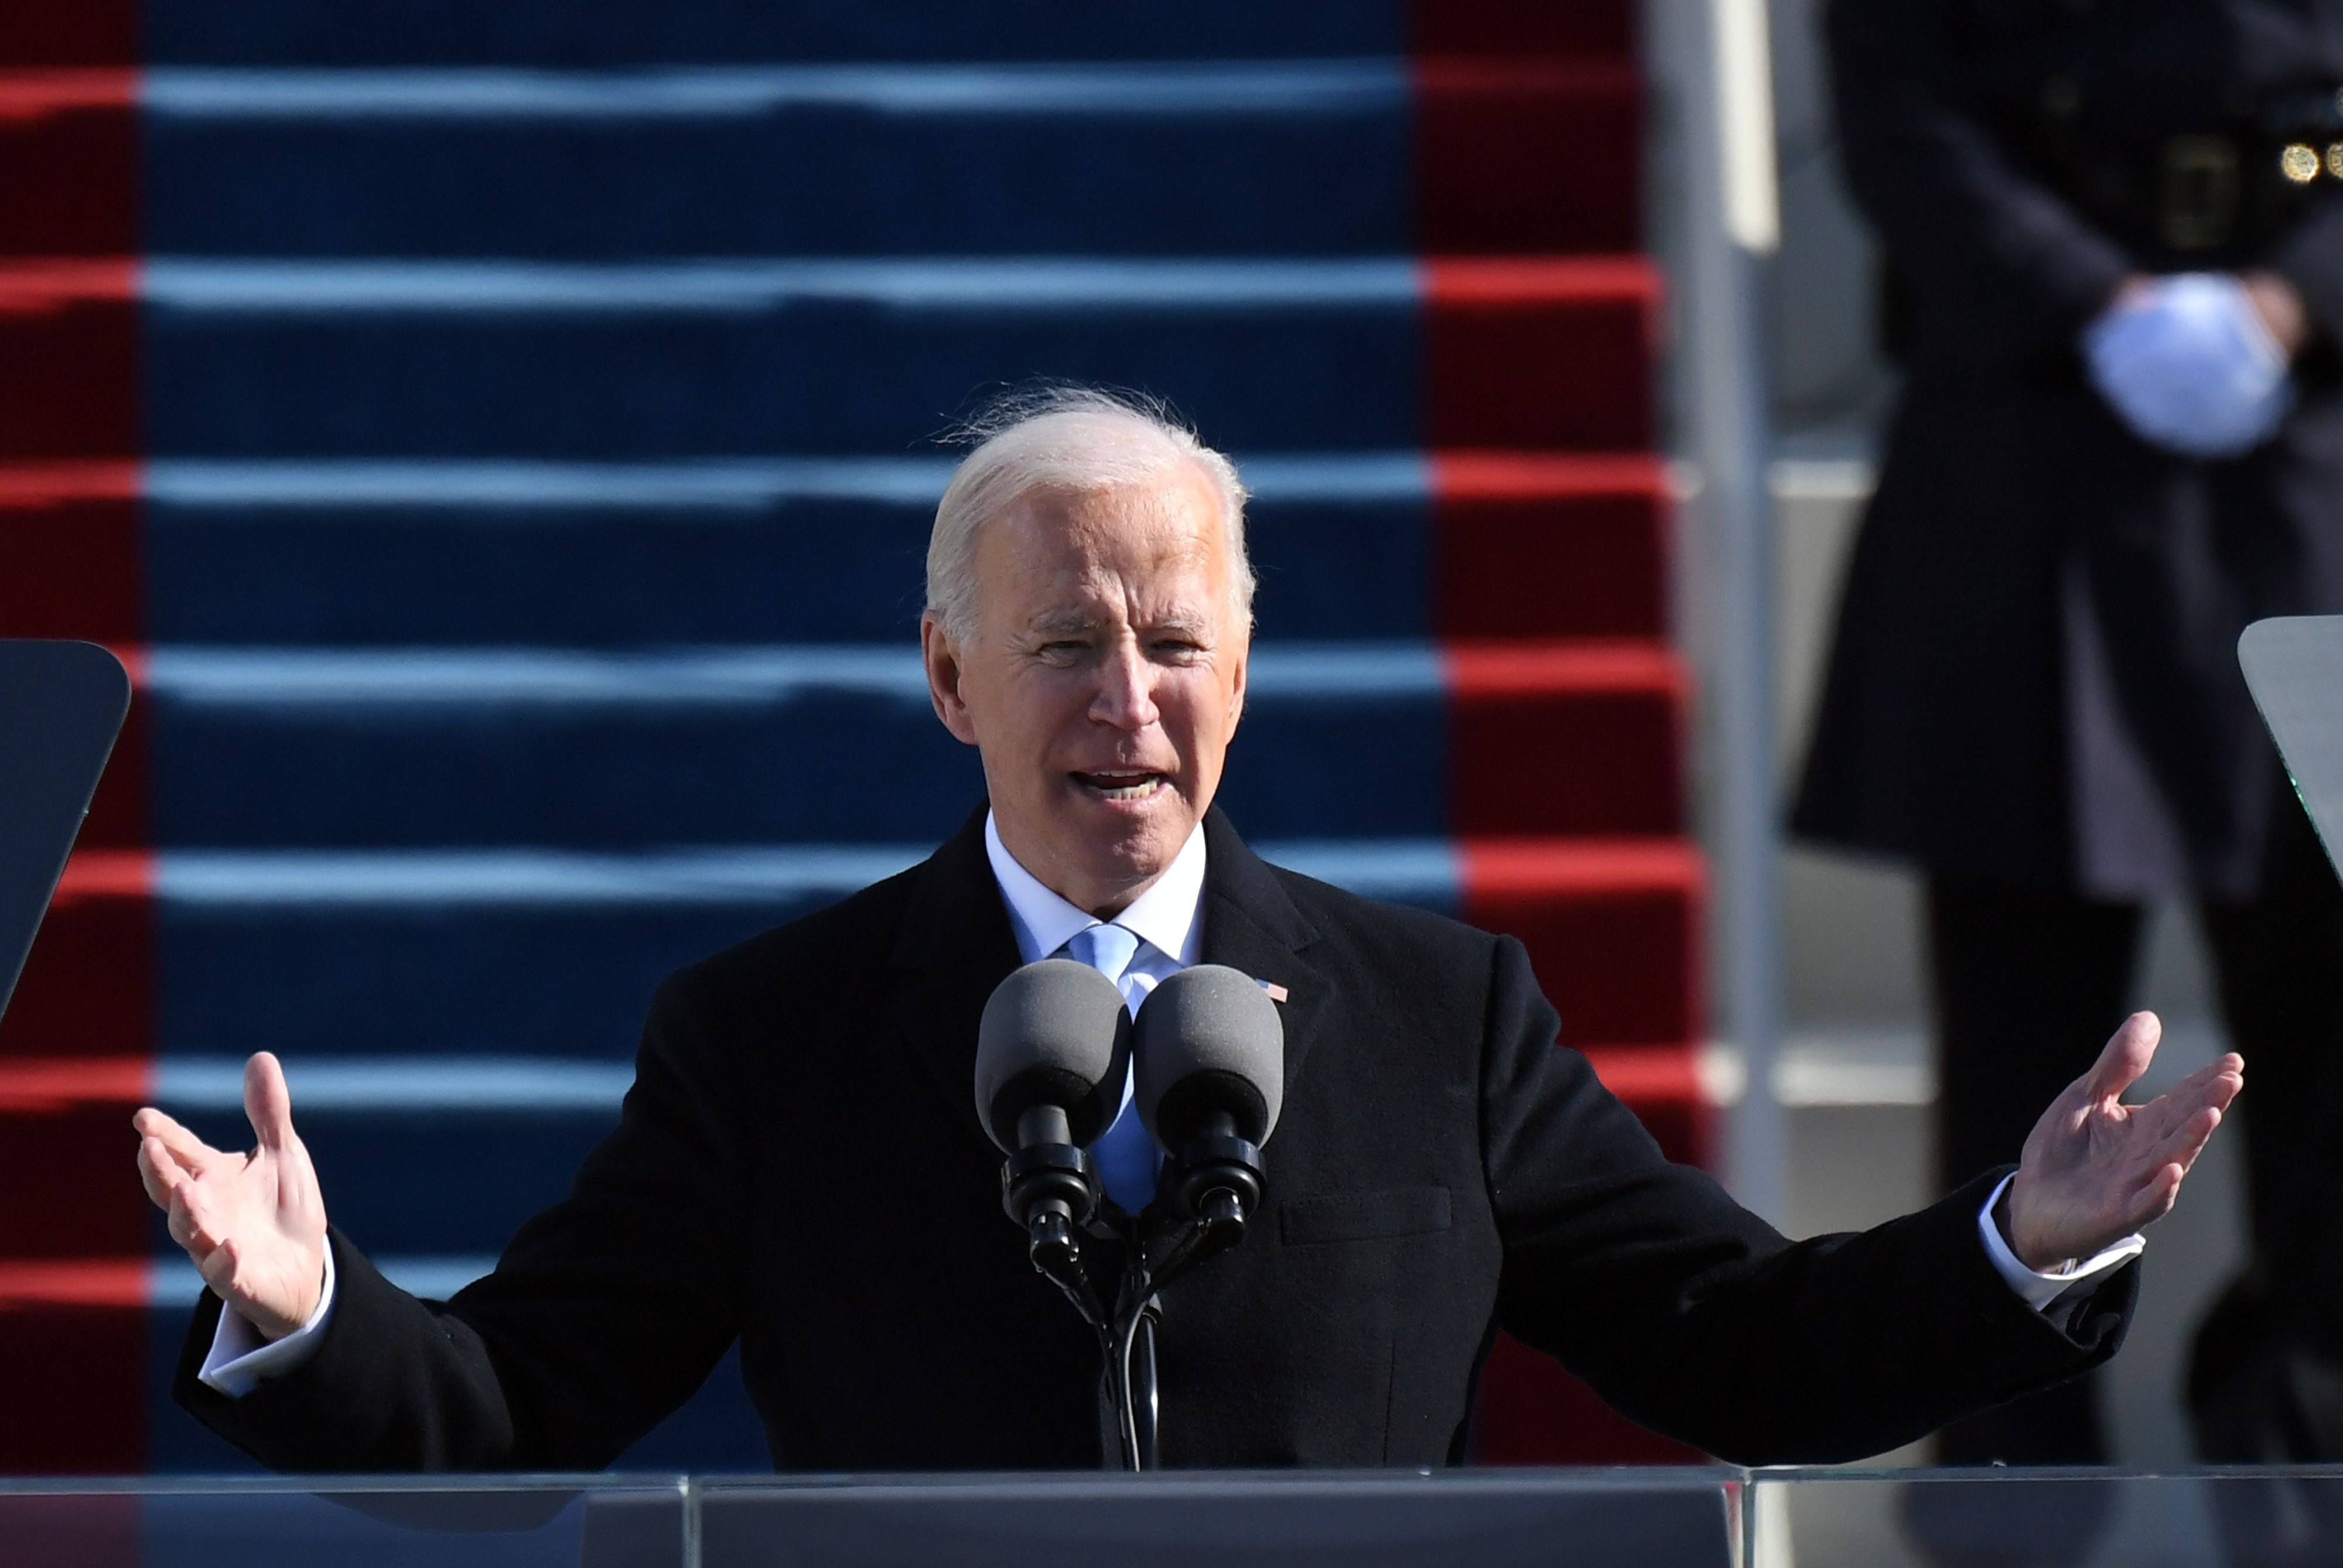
[1211, 1188]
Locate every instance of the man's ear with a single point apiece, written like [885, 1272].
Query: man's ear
[1244, 660]
[942, 661]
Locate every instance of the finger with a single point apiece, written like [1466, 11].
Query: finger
[2185, 1141]
[158, 1172]
[2154, 1196]
[185, 1147]
[2228, 1072]
[267, 1103]
[2128, 1051]
[180, 1221]
[2215, 1085]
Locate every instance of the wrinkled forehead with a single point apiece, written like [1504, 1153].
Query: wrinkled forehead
[1154, 548]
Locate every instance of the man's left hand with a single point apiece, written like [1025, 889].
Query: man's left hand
[2096, 1170]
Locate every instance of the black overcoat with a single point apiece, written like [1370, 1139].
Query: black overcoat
[799, 1165]
[2034, 675]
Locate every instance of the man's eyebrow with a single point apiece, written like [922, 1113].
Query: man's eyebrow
[1186, 624]
[1051, 623]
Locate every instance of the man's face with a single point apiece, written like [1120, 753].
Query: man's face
[1101, 681]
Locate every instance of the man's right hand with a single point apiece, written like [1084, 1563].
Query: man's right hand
[254, 1223]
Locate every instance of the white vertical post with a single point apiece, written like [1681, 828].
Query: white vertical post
[1731, 233]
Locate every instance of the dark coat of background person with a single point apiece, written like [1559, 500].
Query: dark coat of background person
[2034, 677]
[2034, 691]
[800, 1164]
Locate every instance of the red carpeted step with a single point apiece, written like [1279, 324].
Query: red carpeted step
[1562, 737]
[1528, 544]
[69, 158]
[69, 338]
[1611, 927]
[88, 986]
[47, 33]
[1488, 130]
[1516, 27]
[75, 1058]
[1550, 354]
[74, 1357]
[71, 552]
[1662, 1082]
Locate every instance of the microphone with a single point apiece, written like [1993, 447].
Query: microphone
[1053, 1050]
[1211, 1048]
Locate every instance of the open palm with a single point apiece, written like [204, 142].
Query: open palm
[2096, 1170]
[254, 1222]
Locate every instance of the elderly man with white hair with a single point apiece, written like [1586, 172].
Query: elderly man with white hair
[799, 1166]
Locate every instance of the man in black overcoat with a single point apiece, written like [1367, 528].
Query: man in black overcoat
[799, 1165]
[2115, 237]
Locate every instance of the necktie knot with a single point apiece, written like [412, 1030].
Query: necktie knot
[1108, 949]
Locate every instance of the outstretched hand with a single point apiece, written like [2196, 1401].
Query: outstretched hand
[254, 1223]
[2096, 1170]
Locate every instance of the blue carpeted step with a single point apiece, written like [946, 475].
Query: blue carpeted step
[510, 956]
[492, 954]
[409, 1173]
[626, 31]
[587, 555]
[253, 749]
[500, 361]
[1178, 159]
[414, 750]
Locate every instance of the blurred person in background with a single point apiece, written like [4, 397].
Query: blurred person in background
[2114, 232]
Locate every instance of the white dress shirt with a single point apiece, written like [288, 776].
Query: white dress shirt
[1167, 919]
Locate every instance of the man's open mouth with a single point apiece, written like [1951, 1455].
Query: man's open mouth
[1123, 783]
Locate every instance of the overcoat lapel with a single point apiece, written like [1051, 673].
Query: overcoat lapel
[1250, 925]
[955, 947]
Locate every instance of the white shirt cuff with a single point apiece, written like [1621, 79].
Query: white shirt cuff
[2041, 1290]
[240, 1358]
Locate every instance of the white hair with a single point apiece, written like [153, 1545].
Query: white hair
[1078, 439]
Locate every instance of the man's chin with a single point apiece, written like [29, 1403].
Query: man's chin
[1126, 844]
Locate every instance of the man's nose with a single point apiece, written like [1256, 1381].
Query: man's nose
[1126, 689]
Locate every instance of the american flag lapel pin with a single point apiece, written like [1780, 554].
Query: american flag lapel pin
[1276, 992]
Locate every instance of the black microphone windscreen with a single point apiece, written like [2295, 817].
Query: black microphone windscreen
[1053, 1033]
[1209, 1038]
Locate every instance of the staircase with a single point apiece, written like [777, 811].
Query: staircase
[497, 437]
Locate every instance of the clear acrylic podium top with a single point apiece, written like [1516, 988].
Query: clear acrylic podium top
[1651, 1518]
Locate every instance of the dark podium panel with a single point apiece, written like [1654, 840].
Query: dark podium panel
[347, 1522]
[1489, 1519]
[61, 706]
[1590, 1519]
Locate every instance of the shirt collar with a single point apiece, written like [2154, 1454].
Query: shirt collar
[1164, 916]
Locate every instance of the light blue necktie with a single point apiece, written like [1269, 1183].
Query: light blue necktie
[1125, 1154]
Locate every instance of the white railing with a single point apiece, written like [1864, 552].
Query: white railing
[1719, 71]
